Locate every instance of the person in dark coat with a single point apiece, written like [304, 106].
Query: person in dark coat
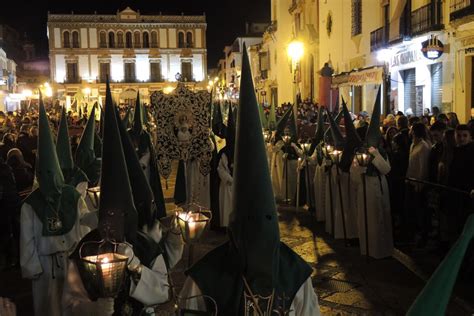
[22, 170]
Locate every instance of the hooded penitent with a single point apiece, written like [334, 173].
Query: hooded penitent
[86, 158]
[328, 134]
[337, 138]
[254, 251]
[72, 175]
[54, 202]
[272, 117]
[319, 134]
[287, 121]
[352, 141]
[263, 118]
[217, 122]
[141, 139]
[126, 119]
[434, 297]
[117, 213]
[142, 194]
[374, 135]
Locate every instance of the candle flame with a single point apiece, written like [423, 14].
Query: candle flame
[105, 260]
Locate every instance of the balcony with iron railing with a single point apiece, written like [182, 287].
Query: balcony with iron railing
[378, 38]
[427, 18]
[460, 8]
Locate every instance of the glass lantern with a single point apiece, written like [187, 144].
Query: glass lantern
[286, 139]
[193, 221]
[327, 149]
[306, 147]
[267, 135]
[102, 268]
[336, 156]
[363, 157]
[94, 196]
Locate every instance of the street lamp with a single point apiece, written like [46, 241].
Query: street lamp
[295, 52]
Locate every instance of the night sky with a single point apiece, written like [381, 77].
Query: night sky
[225, 18]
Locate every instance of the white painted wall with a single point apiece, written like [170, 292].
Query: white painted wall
[199, 38]
[83, 65]
[94, 71]
[60, 62]
[172, 38]
[93, 38]
[84, 38]
[116, 67]
[57, 37]
[142, 67]
[175, 66]
[198, 69]
[163, 38]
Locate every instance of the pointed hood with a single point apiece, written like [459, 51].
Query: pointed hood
[63, 146]
[142, 194]
[117, 210]
[48, 171]
[54, 202]
[373, 132]
[263, 118]
[72, 174]
[352, 141]
[217, 121]
[434, 297]
[336, 134]
[230, 131]
[253, 226]
[137, 126]
[272, 117]
[284, 121]
[328, 138]
[319, 134]
[85, 153]
[126, 119]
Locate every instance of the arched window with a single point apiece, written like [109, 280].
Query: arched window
[146, 40]
[66, 42]
[119, 40]
[111, 40]
[136, 39]
[189, 39]
[128, 40]
[181, 39]
[75, 39]
[154, 39]
[103, 40]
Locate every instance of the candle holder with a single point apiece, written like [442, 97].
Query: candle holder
[335, 156]
[193, 220]
[94, 196]
[363, 157]
[306, 147]
[102, 268]
[286, 139]
[267, 136]
[327, 149]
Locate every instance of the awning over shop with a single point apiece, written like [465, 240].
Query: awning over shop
[358, 78]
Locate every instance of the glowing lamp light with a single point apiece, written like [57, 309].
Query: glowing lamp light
[27, 93]
[267, 135]
[103, 269]
[286, 139]
[295, 50]
[327, 150]
[48, 91]
[168, 89]
[193, 223]
[94, 196]
[363, 157]
[86, 91]
[306, 147]
[336, 156]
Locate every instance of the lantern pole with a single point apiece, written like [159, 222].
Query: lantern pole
[340, 198]
[365, 216]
